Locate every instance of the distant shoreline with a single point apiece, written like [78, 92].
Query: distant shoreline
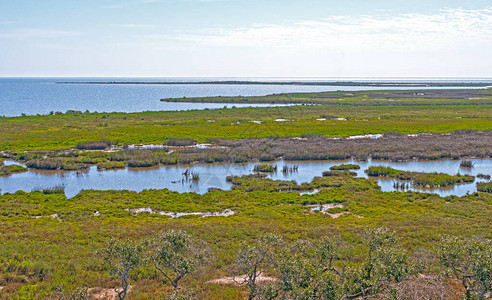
[304, 83]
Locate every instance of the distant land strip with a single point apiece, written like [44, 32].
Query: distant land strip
[310, 83]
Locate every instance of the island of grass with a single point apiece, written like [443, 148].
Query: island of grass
[265, 168]
[484, 187]
[345, 167]
[360, 98]
[339, 173]
[11, 169]
[420, 179]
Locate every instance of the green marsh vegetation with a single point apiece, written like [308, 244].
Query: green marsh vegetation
[388, 147]
[345, 167]
[65, 131]
[48, 243]
[420, 179]
[484, 187]
[40, 252]
[10, 169]
[265, 168]
[391, 97]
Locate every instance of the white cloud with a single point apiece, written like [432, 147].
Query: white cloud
[421, 30]
[36, 33]
[140, 26]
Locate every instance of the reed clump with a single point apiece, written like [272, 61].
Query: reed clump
[467, 164]
[485, 187]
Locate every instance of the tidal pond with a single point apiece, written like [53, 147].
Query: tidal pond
[214, 176]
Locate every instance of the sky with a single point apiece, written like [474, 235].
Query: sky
[246, 38]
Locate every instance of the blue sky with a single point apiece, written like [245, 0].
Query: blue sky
[246, 38]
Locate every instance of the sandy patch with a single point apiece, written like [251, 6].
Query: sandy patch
[371, 136]
[53, 216]
[149, 210]
[237, 280]
[101, 293]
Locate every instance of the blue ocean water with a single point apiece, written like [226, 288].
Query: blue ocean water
[42, 95]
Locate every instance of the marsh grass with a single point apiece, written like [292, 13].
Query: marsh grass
[345, 167]
[101, 145]
[265, 168]
[484, 187]
[420, 179]
[483, 176]
[59, 189]
[180, 142]
[11, 169]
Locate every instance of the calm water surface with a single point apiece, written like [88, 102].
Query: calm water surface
[43, 95]
[214, 175]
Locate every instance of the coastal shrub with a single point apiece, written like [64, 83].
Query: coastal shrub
[469, 261]
[121, 257]
[101, 145]
[175, 254]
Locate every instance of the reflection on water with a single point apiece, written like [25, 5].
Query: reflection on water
[214, 175]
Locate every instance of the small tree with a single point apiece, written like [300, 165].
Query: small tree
[253, 260]
[470, 261]
[307, 272]
[121, 257]
[175, 254]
